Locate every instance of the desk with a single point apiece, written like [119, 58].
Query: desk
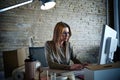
[19, 71]
[58, 72]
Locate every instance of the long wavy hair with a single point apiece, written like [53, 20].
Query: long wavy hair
[58, 31]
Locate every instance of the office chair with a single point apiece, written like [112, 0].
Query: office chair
[38, 53]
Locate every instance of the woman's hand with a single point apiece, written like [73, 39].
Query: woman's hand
[76, 67]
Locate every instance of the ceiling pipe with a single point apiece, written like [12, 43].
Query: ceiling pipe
[46, 4]
[15, 6]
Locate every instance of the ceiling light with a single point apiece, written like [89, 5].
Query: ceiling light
[47, 4]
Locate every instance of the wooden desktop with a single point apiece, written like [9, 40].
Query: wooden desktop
[46, 72]
[43, 73]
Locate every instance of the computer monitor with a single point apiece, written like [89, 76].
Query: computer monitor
[108, 45]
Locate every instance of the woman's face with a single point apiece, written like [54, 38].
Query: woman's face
[65, 34]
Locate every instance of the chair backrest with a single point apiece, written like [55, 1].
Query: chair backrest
[38, 53]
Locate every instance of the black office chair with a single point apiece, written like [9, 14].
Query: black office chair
[38, 53]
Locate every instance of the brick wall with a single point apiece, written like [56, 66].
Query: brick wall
[85, 17]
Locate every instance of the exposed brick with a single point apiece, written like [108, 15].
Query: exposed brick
[86, 18]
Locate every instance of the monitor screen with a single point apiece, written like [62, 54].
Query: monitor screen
[108, 45]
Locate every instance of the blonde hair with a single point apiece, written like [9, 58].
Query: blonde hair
[58, 31]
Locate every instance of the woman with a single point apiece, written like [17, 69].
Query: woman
[58, 50]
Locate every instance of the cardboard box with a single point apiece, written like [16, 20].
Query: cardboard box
[103, 72]
[13, 59]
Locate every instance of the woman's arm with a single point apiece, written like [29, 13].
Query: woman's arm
[73, 56]
[77, 63]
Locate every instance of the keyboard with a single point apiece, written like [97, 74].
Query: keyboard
[75, 72]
